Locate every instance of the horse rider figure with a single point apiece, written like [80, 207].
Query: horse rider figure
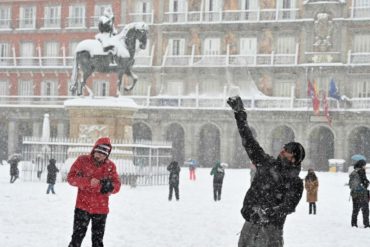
[107, 31]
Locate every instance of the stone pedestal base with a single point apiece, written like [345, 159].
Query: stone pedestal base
[92, 118]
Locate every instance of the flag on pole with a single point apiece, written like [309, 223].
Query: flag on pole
[325, 106]
[310, 89]
[333, 91]
[315, 99]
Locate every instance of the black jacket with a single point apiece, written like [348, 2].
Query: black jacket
[52, 173]
[174, 170]
[276, 187]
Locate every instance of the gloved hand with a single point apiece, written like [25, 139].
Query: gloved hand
[236, 103]
[106, 186]
[264, 214]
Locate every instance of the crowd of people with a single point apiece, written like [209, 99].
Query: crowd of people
[274, 193]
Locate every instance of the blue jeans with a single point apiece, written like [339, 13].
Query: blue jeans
[50, 188]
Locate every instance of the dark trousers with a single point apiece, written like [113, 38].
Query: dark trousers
[364, 206]
[80, 224]
[174, 187]
[50, 188]
[312, 207]
[217, 188]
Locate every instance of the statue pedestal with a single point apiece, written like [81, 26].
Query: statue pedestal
[92, 118]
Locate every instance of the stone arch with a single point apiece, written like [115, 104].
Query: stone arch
[359, 142]
[175, 133]
[280, 136]
[141, 131]
[240, 156]
[321, 148]
[209, 145]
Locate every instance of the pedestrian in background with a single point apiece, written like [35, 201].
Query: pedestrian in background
[311, 184]
[174, 179]
[52, 175]
[218, 173]
[14, 171]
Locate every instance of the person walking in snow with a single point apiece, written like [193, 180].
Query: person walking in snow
[14, 171]
[311, 184]
[358, 184]
[52, 176]
[96, 178]
[174, 179]
[275, 190]
[218, 173]
[192, 167]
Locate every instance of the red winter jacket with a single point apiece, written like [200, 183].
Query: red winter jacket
[82, 171]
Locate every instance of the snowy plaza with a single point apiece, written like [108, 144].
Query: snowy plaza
[143, 216]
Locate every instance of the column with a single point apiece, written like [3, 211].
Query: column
[12, 137]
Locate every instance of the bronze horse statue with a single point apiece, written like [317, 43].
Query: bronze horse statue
[90, 57]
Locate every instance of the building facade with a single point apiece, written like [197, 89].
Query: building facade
[199, 53]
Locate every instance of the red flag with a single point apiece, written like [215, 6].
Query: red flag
[310, 90]
[315, 99]
[326, 107]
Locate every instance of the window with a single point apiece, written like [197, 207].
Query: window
[212, 10]
[144, 11]
[249, 8]
[4, 87]
[72, 48]
[27, 17]
[285, 45]
[5, 17]
[177, 10]
[25, 88]
[76, 16]
[52, 17]
[141, 88]
[177, 47]
[361, 89]
[175, 88]
[361, 8]
[212, 46]
[210, 88]
[27, 54]
[51, 52]
[49, 88]
[286, 9]
[101, 88]
[5, 58]
[361, 43]
[283, 88]
[98, 11]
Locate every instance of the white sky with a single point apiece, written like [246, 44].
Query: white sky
[143, 216]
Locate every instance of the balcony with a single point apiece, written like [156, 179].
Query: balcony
[232, 16]
[144, 17]
[360, 12]
[272, 59]
[57, 62]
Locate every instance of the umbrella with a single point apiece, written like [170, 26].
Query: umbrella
[357, 157]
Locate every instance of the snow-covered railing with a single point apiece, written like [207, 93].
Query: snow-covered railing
[230, 16]
[362, 12]
[358, 57]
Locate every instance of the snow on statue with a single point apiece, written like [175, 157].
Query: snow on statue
[109, 52]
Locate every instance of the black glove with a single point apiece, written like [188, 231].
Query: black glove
[106, 186]
[236, 103]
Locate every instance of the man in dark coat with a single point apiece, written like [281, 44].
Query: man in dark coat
[174, 179]
[218, 173]
[275, 190]
[359, 193]
[14, 171]
[52, 176]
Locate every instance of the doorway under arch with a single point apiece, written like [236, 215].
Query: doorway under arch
[280, 135]
[175, 134]
[209, 145]
[321, 148]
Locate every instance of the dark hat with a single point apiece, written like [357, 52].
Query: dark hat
[297, 150]
[359, 164]
[52, 161]
[103, 149]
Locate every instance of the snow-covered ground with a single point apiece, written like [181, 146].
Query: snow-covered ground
[144, 217]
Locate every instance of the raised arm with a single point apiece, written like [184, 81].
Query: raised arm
[253, 148]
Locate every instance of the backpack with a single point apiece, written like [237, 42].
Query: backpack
[355, 182]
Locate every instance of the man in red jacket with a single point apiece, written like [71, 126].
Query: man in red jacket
[96, 178]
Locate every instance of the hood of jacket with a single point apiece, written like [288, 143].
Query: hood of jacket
[102, 141]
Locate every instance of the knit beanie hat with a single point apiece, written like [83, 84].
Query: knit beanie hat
[103, 149]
